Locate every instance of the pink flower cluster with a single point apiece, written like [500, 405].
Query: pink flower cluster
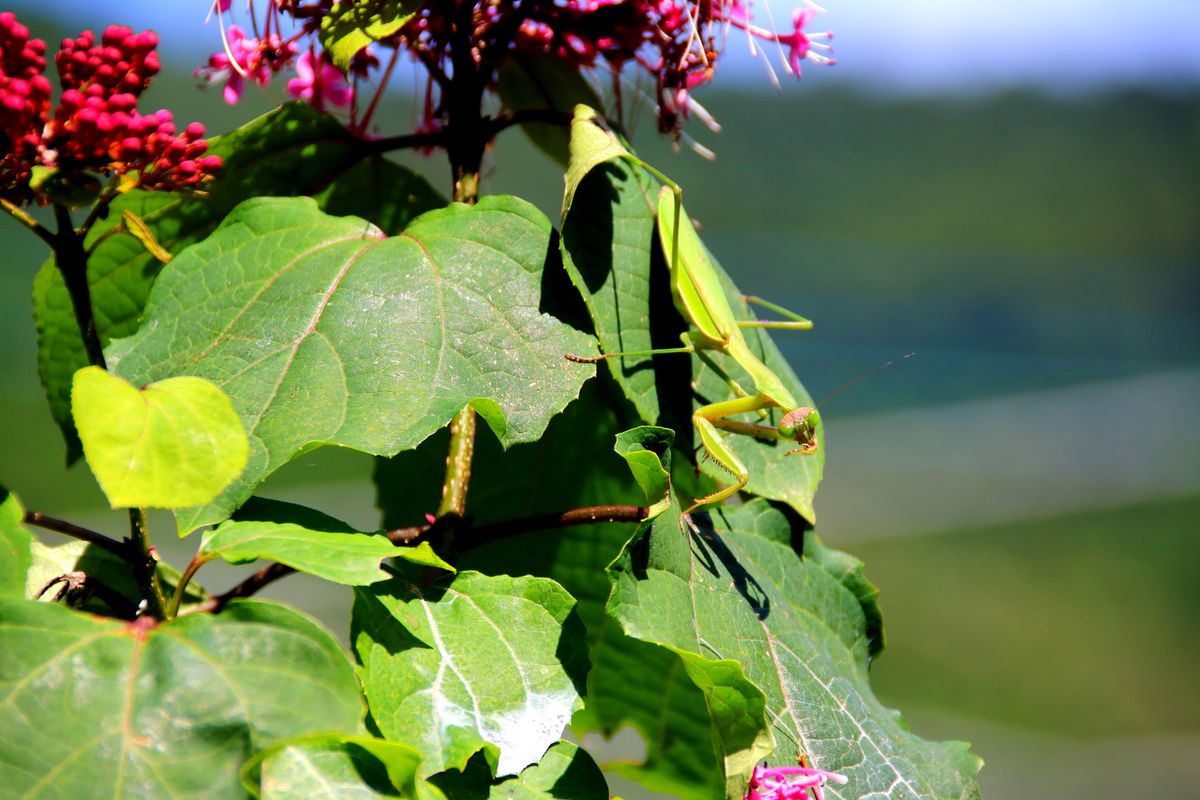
[96, 127]
[789, 783]
[262, 56]
[24, 103]
[674, 41]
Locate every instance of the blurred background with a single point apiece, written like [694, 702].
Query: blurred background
[1013, 196]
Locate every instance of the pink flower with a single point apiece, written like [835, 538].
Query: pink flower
[317, 85]
[257, 59]
[789, 783]
[800, 45]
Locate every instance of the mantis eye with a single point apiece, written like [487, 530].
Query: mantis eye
[799, 423]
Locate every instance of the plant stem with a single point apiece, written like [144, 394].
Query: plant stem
[247, 588]
[71, 529]
[71, 260]
[588, 515]
[145, 563]
[196, 563]
[458, 463]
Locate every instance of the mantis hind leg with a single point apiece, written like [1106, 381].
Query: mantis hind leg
[794, 321]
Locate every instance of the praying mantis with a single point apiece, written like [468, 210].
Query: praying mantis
[698, 295]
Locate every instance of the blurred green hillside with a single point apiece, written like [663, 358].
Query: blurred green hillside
[1024, 491]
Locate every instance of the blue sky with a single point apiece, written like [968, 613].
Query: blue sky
[914, 45]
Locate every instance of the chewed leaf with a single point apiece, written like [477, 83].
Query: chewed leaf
[171, 444]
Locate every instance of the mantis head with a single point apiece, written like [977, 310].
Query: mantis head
[800, 425]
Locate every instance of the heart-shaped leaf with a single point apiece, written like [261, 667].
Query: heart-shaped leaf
[310, 542]
[95, 708]
[473, 662]
[293, 150]
[323, 331]
[171, 444]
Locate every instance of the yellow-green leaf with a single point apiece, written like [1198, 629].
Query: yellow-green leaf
[171, 444]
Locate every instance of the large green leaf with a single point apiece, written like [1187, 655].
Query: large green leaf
[323, 331]
[15, 544]
[94, 708]
[310, 542]
[351, 25]
[293, 150]
[170, 444]
[610, 251]
[469, 663]
[735, 601]
[333, 767]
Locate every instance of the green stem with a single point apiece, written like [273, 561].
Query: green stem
[458, 463]
[145, 563]
[196, 563]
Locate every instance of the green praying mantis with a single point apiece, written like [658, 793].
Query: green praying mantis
[699, 297]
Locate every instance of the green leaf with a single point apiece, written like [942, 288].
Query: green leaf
[15, 543]
[351, 25]
[848, 571]
[539, 81]
[607, 247]
[326, 332]
[610, 251]
[573, 465]
[333, 767]
[592, 143]
[565, 772]
[388, 195]
[170, 444]
[473, 662]
[293, 150]
[94, 708]
[736, 602]
[326, 548]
